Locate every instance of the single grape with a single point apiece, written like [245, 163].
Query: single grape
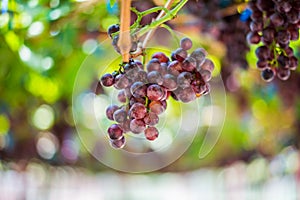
[107, 80]
[163, 69]
[151, 119]
[113, 29]
[138, 89]
[151, 133]
[206, 75]
[170, 82]
[293, 63]
[262, 52]
[283, 74]
[155, 77]
[186, 43]
[184, 79]
[121, 82]
[207, 65]
[110, 111]
[186, 95]
[161, 57]
[125, 126]
[199, 55]
[256, 26]
[253, 38]
[137, 111]
[268, 74]
[122, 96]
[137, 126]
[276, 19]
[283, 61]
[179, 55]
[118, 144]
[115, 132]
[155, 92]
[283, 37]
[262, 64]
[153, 65]
[156, 107]
[120, 115]
[141, 76]
[175, 68]
[189, 64]
[268, 35]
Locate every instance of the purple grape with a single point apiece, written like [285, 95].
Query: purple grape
[276, 19]
[184, 79]
[161, 57]
[125, 126]
[113, 29]
[138, 111]
[206, 75]
[115, 132]
[141, 76]
[179, 55]
[262, 64]
[268, 74]
[137, 126]
[118, 144]
[107, 80]
[151, 119]
[283, 74]
[207, 65]
[283, 61]
[110, 111]
[155, 92]
[156, 107]
[120, 115]
[189, 64]
[186, 95]
[138, 89]
[122, 96]
[293, 63]
[151, 133]
[253, 38]
[134, 100]
[153, 65]
[186, 43]
[121, 82]
[256, 26]
[199, 55]
[262, 52]
[155, 77]
[175, 68]
[169, 82]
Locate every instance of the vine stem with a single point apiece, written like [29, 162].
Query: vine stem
[124, 42]
[151, 32]
[162, 19]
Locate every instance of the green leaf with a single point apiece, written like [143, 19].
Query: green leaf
[112, 2]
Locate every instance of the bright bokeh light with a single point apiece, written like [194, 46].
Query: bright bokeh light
[25, 53]
[89, 46]
[47, 145]
[43, 117]
[35, 29]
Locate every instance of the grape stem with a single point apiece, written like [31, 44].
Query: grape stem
[161, 14]
[124, 42]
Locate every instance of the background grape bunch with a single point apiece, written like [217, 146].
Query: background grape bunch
[274, 23]
[144, 92]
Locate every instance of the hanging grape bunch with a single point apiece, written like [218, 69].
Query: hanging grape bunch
[144, 92]
[274, 23]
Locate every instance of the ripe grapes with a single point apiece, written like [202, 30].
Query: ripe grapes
[144, 93]
[274, 23]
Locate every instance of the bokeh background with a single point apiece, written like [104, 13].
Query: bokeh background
[42, 46]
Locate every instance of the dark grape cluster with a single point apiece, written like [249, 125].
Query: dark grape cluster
[144, 92]
[226, 27]
[112, 30]
[274, 23]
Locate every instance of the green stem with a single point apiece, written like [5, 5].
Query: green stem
[169, 15]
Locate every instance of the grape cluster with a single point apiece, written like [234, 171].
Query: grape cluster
[274, 23]
[144, 93]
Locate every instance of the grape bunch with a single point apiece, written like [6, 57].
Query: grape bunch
[144, 92]
[274, 23]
